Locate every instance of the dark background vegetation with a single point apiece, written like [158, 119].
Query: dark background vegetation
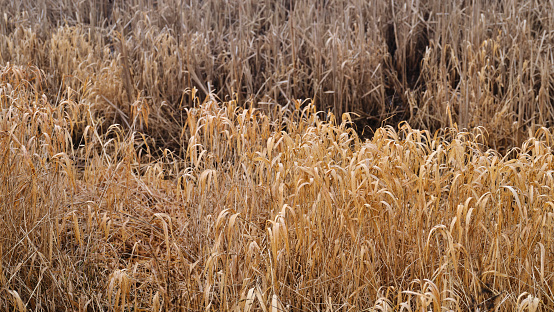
[433, 63]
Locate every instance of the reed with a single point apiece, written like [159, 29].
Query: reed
[483, 63]
[154, 156]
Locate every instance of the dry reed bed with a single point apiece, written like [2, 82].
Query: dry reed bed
[265, 212]
[433, 63]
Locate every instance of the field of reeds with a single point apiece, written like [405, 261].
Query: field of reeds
[276, 155]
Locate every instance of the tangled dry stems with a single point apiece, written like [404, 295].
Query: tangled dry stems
[287, 211]
[277, 207]
[433, 63]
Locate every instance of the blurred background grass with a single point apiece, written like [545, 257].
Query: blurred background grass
[433, 63]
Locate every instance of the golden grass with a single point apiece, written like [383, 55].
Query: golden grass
[126, 183]
[286, 211]
[473, 63]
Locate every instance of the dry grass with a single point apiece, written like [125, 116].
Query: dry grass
[290, 211]
[126, 183]
[473, 63]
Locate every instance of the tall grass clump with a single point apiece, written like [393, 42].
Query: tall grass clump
[155, 156]
[287, 210]
[38, 270]
[436, 64]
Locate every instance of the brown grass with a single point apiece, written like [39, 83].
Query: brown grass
[475, 63]
[145, 164]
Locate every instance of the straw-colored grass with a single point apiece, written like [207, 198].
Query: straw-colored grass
[433, 63]
[288, 211]
[147, 164]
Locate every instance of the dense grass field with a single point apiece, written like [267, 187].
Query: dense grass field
[276, 155]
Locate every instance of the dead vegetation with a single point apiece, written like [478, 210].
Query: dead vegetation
[153, 156]
[433, 63]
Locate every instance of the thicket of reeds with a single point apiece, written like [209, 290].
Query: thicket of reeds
[434, 63]
[154, 155]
